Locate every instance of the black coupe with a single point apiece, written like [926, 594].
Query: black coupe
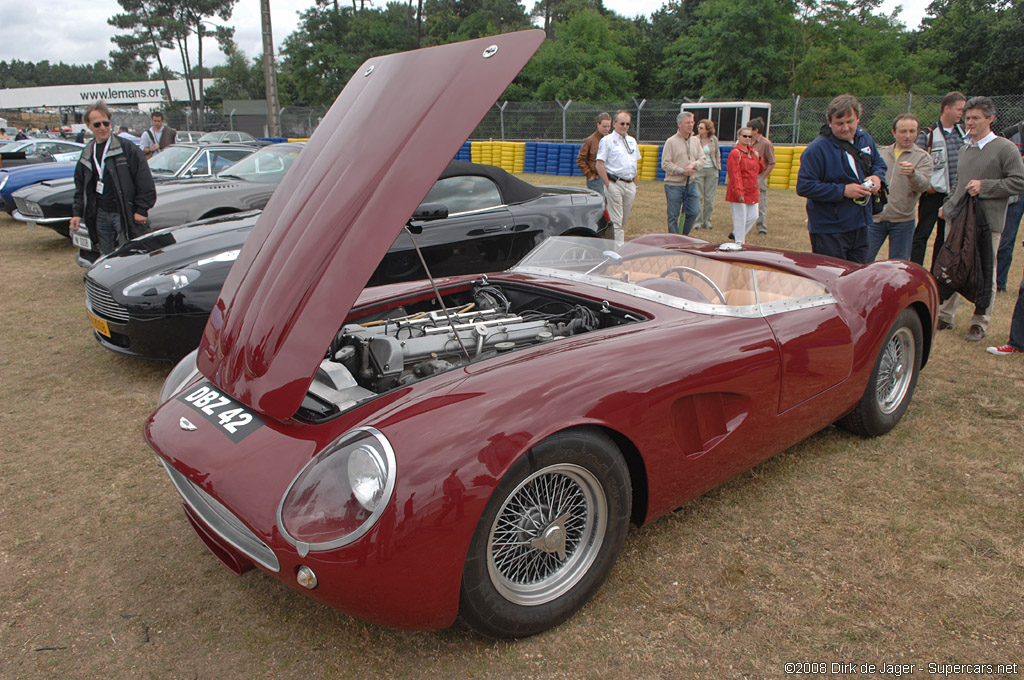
[151, 298]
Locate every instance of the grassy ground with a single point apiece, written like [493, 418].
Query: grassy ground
[903, 549]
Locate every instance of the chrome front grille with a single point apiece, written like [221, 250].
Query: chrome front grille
[28, 208]
[223, 522]
[102, 303]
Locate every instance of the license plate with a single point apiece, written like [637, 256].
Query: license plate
[230, 417]
[99, 324]
[83, 242]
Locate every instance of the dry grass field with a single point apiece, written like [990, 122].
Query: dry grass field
[907, 549]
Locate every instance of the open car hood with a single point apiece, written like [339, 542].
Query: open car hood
[392, 130]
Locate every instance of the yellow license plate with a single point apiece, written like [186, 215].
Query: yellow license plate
[99, 324]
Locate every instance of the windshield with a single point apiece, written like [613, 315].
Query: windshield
[677, 278]
[227, 137]
[18, 146]
[170, 160]
[266, 165]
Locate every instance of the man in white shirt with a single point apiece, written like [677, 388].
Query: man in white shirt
[617, 157]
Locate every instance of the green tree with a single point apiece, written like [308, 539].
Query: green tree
[147, 34]
[452, 20]
[980, 43]
[734, 50]
[154, 25]
[558, 11]
[586, 61]
[667, 24]
[329, 45]
[851, 49]
[239, 77]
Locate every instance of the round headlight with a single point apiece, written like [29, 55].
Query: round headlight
[340, 494]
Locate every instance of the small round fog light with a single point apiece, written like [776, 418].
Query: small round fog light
[306, 577]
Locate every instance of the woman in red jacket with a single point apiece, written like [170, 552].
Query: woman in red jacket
[742, 168]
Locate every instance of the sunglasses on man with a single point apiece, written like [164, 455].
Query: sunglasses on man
[101, 123]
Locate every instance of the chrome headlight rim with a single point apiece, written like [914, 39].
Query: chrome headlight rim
[341, 443]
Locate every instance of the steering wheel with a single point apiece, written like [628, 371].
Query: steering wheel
[680, 270]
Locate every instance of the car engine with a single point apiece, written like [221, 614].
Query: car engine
[375, 356]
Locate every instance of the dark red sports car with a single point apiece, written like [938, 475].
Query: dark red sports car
[477, 446]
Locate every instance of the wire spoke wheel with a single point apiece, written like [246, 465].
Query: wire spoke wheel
[895, 370]
[547, 534]
[893, 379]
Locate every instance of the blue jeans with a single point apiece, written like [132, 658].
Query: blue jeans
[681, 197]
[1004, 257]
[845, 245]
[901, 238]
[108, 228]
[596, 184]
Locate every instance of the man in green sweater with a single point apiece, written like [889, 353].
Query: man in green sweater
[990, 168]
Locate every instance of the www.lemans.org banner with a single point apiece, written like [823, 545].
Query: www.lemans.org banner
[139, 92]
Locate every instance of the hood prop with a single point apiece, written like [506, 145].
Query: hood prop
[437, 293]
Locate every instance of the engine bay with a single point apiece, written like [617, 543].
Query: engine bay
[409, 343]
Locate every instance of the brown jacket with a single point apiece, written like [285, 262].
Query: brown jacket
[586, 159]
[904, 190]
[677, 154]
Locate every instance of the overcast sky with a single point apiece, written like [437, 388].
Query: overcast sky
[77, 32]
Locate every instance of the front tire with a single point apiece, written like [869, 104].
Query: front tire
[892, 381]
[549, 536]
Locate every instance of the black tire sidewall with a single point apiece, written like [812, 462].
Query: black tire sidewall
[868, 419]
[481, 606]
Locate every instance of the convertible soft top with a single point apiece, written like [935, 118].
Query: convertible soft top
[513, 190]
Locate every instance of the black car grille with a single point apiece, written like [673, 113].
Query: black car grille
[28, 208]
[102, 303]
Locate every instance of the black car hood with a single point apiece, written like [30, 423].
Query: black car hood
[169, 249]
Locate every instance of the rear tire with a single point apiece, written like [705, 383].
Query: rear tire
[892, 381]
[549, 536]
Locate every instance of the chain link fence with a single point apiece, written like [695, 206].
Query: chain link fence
[795, 120]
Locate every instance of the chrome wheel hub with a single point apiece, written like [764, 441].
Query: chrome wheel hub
[895, 370]
[547, 534]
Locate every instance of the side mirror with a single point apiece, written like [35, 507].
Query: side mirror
[430, 211]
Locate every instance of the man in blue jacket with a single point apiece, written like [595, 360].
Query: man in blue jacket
[839, 171]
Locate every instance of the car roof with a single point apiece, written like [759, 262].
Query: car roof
[513, 189]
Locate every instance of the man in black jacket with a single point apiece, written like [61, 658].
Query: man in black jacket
[114, 189]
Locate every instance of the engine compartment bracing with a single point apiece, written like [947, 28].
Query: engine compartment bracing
[408, 343]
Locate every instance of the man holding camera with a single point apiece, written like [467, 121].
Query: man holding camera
[839, 173]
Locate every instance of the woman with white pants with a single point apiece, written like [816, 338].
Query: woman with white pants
[742, 168]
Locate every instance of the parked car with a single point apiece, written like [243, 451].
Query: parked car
[151, 298]
[51, 203]
[38, 151]
[13, 179]
[186, 136]
[477, 446]
[227, 137]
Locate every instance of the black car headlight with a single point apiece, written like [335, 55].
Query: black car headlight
[340, 494]
[161, 284]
